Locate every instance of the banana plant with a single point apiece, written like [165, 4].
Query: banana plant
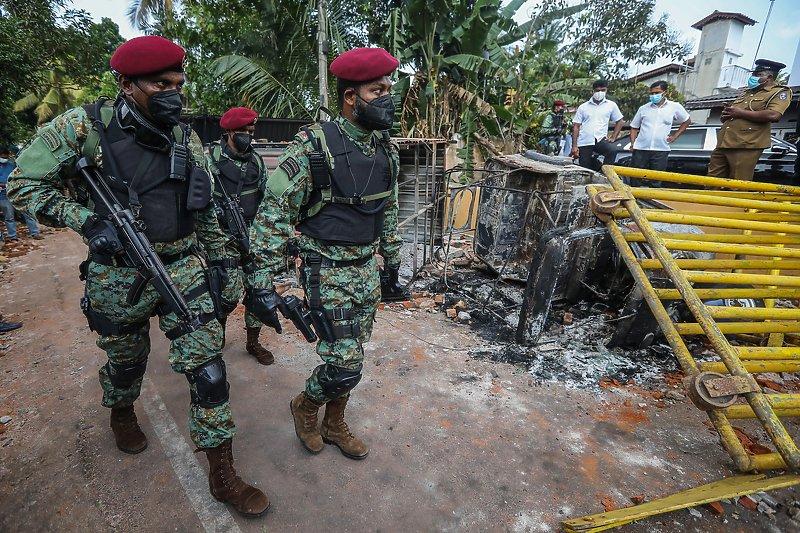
[476, 72]
[56, 97]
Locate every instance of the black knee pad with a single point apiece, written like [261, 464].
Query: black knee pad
[123, 375]
[208, 384]
[337, 381]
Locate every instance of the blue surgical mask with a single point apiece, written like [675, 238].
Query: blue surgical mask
[753, 82]
[655, 98]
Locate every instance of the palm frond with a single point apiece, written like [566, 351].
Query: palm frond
[26, 103]
[261, 89]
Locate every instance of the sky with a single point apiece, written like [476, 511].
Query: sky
[113, 9]
[780, 41]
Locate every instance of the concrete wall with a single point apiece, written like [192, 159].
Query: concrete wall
[720, 46]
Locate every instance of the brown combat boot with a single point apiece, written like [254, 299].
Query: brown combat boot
[335, 430]
[226, 485]
[255, 349]
[127, 432]
[304, 410]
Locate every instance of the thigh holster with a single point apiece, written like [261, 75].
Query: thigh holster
[208, 384]
[330, 324]
[124, 375]
[100, 323]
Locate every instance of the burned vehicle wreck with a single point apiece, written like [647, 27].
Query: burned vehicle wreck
[537, 231]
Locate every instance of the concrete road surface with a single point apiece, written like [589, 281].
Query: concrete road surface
[458, 444]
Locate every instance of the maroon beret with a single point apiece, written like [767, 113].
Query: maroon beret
[364, 64]
[237, 117]
[150, 54]
[559, 102]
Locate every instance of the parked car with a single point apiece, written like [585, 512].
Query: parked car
[692, 151]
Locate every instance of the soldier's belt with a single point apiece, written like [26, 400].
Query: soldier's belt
[325, 262]
[118, 261]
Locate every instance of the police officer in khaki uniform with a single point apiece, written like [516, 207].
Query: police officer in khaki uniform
[745, 130]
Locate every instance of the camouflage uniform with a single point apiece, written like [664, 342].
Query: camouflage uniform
[237, 282]
[353, 287]
[553, 131]
[44, 175]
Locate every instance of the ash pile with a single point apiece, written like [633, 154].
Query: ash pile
[540, 281]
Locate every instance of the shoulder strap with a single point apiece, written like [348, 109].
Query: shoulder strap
[318, 162]
[89, 149]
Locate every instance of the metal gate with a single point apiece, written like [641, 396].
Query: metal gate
[761, 225]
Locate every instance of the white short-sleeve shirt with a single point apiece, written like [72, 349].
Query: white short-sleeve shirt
[654, 123]
[594, 119]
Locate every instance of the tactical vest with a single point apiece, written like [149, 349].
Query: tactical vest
[146, 172]
[243, 184]
[349, 208]
[558, 122]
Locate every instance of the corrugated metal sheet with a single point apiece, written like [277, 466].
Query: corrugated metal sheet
[271, 129]
[421, 181]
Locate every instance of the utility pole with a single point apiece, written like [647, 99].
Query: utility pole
[322, 54]
[764, 28]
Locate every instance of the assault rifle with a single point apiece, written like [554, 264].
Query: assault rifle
[138, 250]
[233, 218]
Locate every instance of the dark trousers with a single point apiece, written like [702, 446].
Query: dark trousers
[650, 159]
[606, 149]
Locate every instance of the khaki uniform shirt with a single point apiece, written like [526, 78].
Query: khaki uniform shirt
[742, 133]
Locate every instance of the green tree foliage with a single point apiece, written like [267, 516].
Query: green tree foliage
[258, 52]
[49, 51]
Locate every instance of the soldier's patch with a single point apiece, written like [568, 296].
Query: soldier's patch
[783, 96]
[291, 167]
[50, 138]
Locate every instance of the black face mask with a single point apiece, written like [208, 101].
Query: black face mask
[377, 115]
[241, 141]
[165, 107]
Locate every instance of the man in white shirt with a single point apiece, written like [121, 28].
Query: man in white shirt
[590, 127]
[650, 127]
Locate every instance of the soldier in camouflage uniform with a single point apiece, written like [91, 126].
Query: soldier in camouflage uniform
[162, 180]
[554, 127]
[239, 175]
[337, 186]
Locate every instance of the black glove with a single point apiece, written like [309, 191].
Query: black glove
[102, 236]
[264, 303]
[391, 290]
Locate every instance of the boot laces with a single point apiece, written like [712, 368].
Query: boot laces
[341, 425]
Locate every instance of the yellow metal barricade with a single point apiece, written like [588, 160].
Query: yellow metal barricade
[753, 230]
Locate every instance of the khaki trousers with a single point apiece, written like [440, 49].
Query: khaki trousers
[735, 163]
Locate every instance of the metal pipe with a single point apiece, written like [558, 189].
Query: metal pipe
[745, 264]
[768, 352]
[732, 215]
[647, 193]
[757, 313]
[724, 248]
[756, 367]
[736, 278]
[705, 181]
[717, 294]
[710, 222]
[720, 238]
[694, 328]
[750, 195]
